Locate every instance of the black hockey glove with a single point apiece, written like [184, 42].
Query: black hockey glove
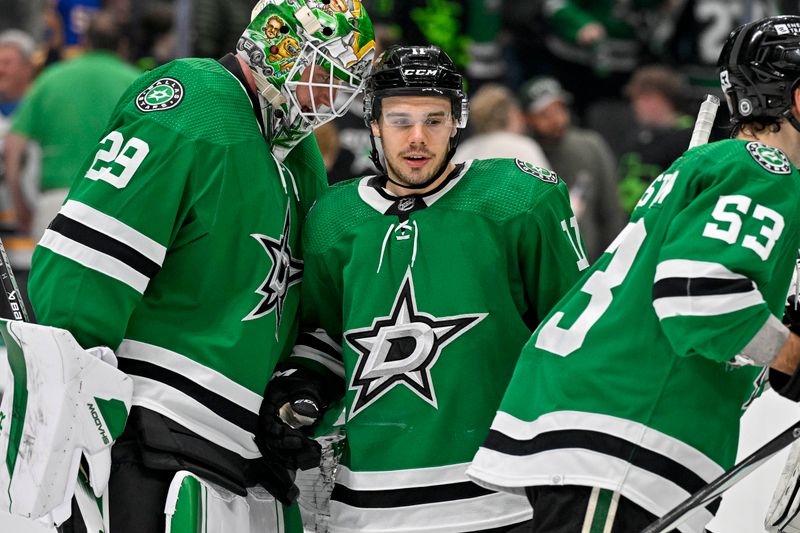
[278, 480]
[294, 400]
[784, 384]
[791, 314]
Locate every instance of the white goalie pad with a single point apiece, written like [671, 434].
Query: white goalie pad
[783, 515]
[59, 402]
[194, 504]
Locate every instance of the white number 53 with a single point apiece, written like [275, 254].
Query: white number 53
[116, 161]
[728, 223]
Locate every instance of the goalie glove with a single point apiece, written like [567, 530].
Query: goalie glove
[61, 402]
[294, 400]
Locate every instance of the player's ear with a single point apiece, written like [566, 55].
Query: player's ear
[375, 130]
[796, 98]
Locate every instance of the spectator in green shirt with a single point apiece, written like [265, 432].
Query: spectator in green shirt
[64, 112]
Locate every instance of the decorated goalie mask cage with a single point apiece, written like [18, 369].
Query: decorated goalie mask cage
[759, 68]
[298, 48]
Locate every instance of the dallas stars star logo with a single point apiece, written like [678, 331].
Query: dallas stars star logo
[401, 349]
[286, 270]
[161, 95]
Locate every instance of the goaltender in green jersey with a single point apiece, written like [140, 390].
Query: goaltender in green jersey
[178, 247]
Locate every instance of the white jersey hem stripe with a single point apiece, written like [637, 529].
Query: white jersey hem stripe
[474, 514]
[571, 466]
[193, 415]
[402, 479]
[183, 365]
[633, 432]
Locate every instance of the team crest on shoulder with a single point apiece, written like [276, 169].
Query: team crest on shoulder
[769, 157]
[162, 94]
[547, 176]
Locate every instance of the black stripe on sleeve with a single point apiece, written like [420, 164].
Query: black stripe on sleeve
[230, 411]
[371, 499]
[313, 342]
[74, 230]
[670, 287]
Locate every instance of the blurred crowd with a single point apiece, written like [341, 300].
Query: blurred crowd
[603, 92]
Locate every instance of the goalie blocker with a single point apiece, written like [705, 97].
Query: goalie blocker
[60, 403]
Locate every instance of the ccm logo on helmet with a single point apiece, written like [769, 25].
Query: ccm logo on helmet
[419, 71]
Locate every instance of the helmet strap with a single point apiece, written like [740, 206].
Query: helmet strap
[792, 119]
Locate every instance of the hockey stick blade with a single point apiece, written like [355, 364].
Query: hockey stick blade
[730, 478]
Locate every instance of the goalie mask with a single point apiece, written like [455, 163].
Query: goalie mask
[759, 68]
[415, 71]
[287, 37]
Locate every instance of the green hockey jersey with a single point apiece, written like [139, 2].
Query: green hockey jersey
[179, 247]
[627, 384]
[421, 305]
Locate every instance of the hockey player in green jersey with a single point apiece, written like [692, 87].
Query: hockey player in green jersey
[627, 398]
[423, 283]
[179, 248]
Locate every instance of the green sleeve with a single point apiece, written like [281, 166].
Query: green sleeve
[552, 252]
[723, 262]
[74, 287]
[25, 120]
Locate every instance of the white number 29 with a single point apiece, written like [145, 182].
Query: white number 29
[123, 159]
[728, 224]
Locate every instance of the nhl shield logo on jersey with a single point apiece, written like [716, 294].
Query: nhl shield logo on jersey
[285, 271]
[547, 176]
[769, 157]
[162, 94]
[401, 349]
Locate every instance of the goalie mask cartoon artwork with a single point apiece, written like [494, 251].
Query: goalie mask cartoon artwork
[309, 61]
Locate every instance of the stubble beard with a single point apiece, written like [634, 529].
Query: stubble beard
[414, 178]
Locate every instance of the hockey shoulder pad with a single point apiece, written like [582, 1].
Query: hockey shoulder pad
[59, 402]
[783, 515]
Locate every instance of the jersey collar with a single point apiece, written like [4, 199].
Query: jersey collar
[372, 190]
[232, 65]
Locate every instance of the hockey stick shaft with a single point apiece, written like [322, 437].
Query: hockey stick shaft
[733, 476]
[705, 121]
[16, 305]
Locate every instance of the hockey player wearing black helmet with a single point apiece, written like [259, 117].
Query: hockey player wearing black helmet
[414, 139]
[760, 72]
[425, 281]
[606, 431]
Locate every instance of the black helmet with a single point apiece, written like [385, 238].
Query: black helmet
[759, 68]
[414, 71]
